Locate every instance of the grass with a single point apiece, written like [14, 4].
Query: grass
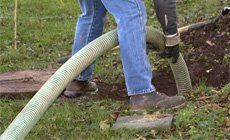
[45, 33]
[202, 118]
[49, 36]
[46, 29]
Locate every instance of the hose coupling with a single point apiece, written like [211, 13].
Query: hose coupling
[172, 40]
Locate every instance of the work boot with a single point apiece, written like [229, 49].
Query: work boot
[77, 88]
[156, 100]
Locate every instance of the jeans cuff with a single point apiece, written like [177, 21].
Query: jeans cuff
[145, 91]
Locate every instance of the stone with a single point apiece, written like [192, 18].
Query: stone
[144, 121]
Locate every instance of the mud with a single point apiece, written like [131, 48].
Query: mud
[207, 60]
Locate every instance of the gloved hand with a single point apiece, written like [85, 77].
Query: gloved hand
[170, 52]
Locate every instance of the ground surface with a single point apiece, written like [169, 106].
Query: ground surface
[206, 62]
[206, 53]
[45, 33]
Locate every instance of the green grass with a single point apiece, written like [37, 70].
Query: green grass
[80, 119]
[45, 33]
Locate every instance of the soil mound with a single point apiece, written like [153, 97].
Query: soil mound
[207, 56]
[210, 58]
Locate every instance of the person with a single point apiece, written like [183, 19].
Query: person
[131, 17]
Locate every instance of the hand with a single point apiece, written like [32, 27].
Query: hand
[170, 52]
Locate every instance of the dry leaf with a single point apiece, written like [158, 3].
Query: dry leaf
[114, 116]
[210, 43]
[104, 125]
[205, 97]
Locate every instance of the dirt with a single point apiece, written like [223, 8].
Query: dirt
[115, 91]
[204, 55]
[204, 58]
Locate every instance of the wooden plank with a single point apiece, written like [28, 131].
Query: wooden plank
[22, 83]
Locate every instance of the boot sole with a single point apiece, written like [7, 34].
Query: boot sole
[179, 106]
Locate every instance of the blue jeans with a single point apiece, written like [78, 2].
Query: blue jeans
[130, 16]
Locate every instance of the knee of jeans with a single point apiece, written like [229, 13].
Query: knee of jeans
[137, 16]
[136, 13]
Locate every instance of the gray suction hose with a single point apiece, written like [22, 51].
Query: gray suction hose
[180, 70]
[44, 98]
